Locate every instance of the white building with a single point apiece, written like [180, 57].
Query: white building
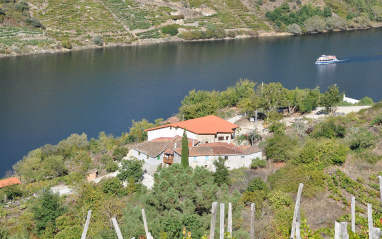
[204, 155]
[208, 129]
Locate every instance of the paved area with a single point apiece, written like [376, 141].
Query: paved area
[62, 190]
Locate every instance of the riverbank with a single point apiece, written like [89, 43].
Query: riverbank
[152, 41]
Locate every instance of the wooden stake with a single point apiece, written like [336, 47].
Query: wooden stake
[230, 219]
[116, 227]
[221, 220]
[86, 225]
[213, 219]
[337, 230]
[252, 221]
[296, 214]
[344, 230]
[145, 223]
[353, 214]
[380, 187]
[370, 219]
[376, 233]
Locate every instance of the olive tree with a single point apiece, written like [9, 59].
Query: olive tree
[315, 24]
[294, 29]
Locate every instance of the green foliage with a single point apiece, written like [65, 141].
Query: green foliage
[172, 30]
[279, 199]
[98, 40]
[322, 153]
[258, 163]
[111, 186]
[4, 233]
[12, 192]
[46, 209]
[54, 167]
[257, 184]
[221, 174]
[198, 104]
[331, 98]
[362, 140]
[184, 154]
[315, 24]
[277, 128]
[66, 44]
[279, 148]
[137, 130]
[34, 22]
[119, 153]
[111, 166]
[330, 129]
[288, 178]
[131, 168]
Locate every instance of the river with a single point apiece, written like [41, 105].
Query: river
[46, 97]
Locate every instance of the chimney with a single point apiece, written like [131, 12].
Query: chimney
[193, 142]
[229, 140]
[175, 146]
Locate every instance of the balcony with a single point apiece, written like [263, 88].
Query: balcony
[168, 159]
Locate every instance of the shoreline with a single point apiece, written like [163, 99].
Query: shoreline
[146, 42]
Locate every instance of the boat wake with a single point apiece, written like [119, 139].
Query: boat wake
[377, 57]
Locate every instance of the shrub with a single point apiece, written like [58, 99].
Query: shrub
[288, 178]
[119, 153]
[315, 24]
[34, 22]
[362, 141]
[66, 44]
[258, 163]
[98, 40]
[111, 166]
[13, 192]
[172, 30]
[279, 147]
[257, 184]
[294, 29]
[277, 128]
[279, 199]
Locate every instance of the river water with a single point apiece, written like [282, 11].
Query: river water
[44, 98]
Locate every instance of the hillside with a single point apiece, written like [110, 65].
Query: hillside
[56, 25]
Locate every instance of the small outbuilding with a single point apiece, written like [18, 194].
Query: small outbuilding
[9, 182]
[92, 174]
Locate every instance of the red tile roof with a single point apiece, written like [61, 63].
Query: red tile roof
[205, 125]
[9, 182]
[155, 147]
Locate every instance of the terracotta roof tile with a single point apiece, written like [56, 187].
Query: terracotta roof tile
[212, 149]
[205, 125]
[155, 147]
[9, 182]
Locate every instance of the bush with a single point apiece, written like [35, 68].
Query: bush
[111, 166]
[362, 141]
[294, 29]
[13, 192]
[279, 199]
[172, 30]
[277, 128]
[119, 153]
[279, 148]
[66, 44]
[257, 184]
[98, 40]
[258, 163]
[315, 24]
[34, 22]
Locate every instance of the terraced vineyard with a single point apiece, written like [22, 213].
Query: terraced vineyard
[73, 19]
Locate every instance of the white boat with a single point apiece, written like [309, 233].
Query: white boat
[326, 59]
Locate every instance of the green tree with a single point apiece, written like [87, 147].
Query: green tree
[119, 153]
[172, 30]
[198, 104]
[221, 174]
[54, 166]
[131, 168]
[315, 24]
[184, 155]
[294, 29]
[279, 148]
[272, 96]
[46, 209]
[331, 98]
[98, 40]
[137, 130]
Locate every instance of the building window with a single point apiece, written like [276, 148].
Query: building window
[158, 157]
[225, 157]
[221, 138]
[207, 157]
[226, 137]
[195, 158]
[205, 166]
[147, 157]
[139, 153]
[242, 157]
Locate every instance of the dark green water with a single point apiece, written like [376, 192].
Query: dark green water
[45, 98]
